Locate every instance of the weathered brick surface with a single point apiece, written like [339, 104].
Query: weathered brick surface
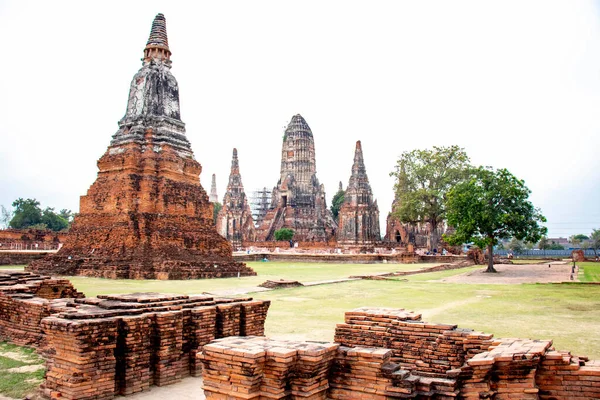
[416, 345]
[152, 338]
[561, 375]
[261, 368]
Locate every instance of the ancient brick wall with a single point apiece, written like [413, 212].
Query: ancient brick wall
[123, 344]
[25, 299]
[20, 258]
[27, 239]
[416, 345]
[561, 375]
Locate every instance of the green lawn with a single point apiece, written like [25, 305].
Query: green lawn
[589, 272]
[569, 313]
[18, 384]
[302, 272]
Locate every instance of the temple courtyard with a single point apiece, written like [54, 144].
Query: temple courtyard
[537, 301]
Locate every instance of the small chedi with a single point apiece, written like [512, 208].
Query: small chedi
[298, 200]
[358, 222]
[234, 221]
[146, 216]
[214, 197]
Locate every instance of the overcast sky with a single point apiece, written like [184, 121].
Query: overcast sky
[516, 83]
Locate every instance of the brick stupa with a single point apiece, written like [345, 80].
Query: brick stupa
[359, 215]
[234, 221]
[146, 216]
[298, 200]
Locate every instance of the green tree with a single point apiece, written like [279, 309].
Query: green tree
[423, 179]
[492, 205]
[516, 245]
[284, 234]
[336, 203]
[26, 213]
[556, 246]
[576, 240]
[543, 243]
[595, 241]
[216, 208]
[54, 221]
[67, 215]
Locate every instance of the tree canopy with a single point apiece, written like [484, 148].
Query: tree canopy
[595, 241]
[28, 214]
[423, 179]
[336, 203]
[284, 234]
[492, 205]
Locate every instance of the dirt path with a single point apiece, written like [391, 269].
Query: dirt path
[556, 271]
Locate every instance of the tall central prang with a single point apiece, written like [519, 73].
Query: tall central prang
[298, 200]
[146, 216]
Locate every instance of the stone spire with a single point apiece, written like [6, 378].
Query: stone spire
[359, 182]
[298, 200]
[359, 214]
[234, 221]
[213, 198]
[154, 100]
[298, 155]
[157, 46]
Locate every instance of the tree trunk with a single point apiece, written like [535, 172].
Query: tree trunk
[490, 251]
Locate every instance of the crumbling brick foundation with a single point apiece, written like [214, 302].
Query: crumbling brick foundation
[123, 344]
[385, 354]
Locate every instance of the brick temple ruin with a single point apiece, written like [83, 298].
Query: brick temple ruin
[417, 234]
[147, 216]
[298, 201]
[234, 221]
[358, 222]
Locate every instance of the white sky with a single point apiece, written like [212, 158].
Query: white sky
[516, 83]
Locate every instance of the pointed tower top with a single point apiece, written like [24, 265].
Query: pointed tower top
[235, 165]
[359, 163]
[359, 178]
[157, 46]
[341, 188]
[297, 125]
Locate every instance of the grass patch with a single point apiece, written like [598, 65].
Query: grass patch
[589, 271]
[528, 261]
[302, 272]
[18, 384]
[16, 267]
